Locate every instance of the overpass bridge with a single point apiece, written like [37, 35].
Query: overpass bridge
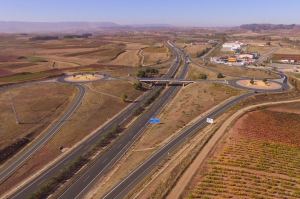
[166, 81]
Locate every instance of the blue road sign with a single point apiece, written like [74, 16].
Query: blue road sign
[154, 121]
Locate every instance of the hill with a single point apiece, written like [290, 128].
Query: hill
[259, 27]
[40, 27]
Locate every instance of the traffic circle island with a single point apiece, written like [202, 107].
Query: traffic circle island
[259, 84]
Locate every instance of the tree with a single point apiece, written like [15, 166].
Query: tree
[265, 80]
[124, 97]
[141, 73]
[151, 71]
[138, 86]
[220, 75]
[202, 76]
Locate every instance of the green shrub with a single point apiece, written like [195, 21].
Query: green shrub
[220, 75]
[202, 76]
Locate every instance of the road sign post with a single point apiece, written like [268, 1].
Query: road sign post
[154, 121]
[210, 120]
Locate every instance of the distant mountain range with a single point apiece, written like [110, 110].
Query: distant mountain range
[75, 27]
[259, 27]
[31, 27]
[46, 27]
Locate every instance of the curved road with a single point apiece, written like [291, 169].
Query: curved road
[126, 185]
[8, 169]
[120, 147]
[113, 153]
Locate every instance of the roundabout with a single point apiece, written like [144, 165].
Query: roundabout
[258, 85]
[82, 77]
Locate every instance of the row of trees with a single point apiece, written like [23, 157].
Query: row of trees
[204, 76]
[148, 72]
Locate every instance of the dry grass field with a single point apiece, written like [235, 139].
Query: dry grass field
[102, 101]
[154, 54]
[130, 57]
[36, 105]
[235, 71]
[187, 105]
[259, 49]
[256, 161]
[193, 50]
[196, 72]
[291, 51]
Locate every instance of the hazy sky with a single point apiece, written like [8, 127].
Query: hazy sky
[176, 12]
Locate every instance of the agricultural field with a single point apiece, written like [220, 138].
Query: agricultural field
[191, 102]
[24, 59]
[255, 161]
[101, 102]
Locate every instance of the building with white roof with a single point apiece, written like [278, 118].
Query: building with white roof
[232, 46]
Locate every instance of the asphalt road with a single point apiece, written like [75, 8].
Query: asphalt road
[125, 186]
[107, 160]
[113, 153]
[8, 169]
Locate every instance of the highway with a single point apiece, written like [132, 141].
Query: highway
[111, 156]
[125, 186]
[114, 152]
[108, 159]
[12, 165]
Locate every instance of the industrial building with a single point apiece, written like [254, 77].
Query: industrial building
[232, 46]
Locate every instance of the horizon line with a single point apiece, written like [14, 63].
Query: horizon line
[141, 24]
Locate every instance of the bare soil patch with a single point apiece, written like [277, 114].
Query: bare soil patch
[258, 84]
[83, 78]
